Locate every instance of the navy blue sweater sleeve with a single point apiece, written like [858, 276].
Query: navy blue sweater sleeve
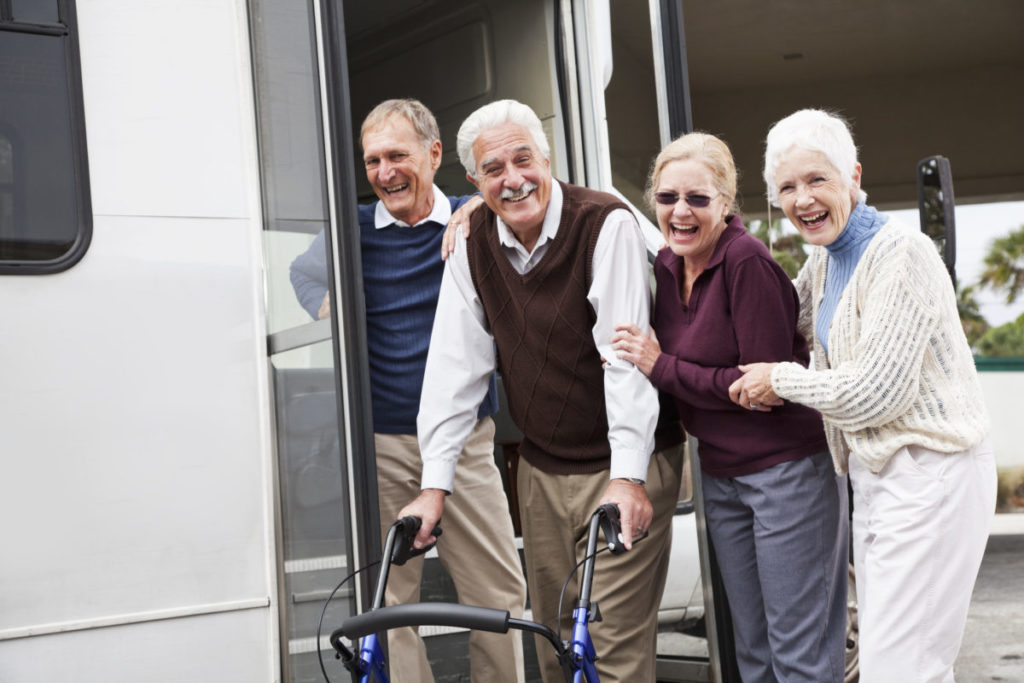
[308, 274]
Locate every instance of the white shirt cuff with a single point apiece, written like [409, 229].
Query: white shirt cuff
[629, 465]
[438, 475]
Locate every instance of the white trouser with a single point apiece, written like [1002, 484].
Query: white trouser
[920, 527]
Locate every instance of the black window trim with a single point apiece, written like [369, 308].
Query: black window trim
[79, 151]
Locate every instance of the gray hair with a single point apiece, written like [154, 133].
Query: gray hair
[815, 130]
[414, 111]
[493, 115]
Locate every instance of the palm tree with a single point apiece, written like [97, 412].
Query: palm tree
[1004, 341]
[974, 323]
[787, 249]
[1004, 265]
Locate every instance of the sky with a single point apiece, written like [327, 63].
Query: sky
[977, 225]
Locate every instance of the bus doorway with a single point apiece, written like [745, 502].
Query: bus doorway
[320, 69]
[555, 56]
[326, 481]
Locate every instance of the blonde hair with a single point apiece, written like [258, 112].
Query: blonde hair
[708, 150]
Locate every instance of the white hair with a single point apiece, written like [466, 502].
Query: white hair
[493, 115]
[817, 131]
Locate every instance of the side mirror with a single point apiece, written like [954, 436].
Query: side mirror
[936, 206]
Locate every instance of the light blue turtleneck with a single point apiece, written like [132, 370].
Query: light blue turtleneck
[844, 255]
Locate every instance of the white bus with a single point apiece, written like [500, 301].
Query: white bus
[187, 457]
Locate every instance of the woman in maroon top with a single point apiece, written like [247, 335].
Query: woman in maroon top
[776, 512]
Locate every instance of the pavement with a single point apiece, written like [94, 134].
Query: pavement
[993, 646]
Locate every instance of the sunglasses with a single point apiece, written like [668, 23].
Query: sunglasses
[697, 201]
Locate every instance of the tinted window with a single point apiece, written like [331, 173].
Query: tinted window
[36, 11]
[45, 223]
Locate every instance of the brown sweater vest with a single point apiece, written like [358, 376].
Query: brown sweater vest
[542, 324]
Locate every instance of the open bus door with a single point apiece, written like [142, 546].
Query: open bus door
[326, 498]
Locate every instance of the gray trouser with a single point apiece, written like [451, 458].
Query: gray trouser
[781, 537]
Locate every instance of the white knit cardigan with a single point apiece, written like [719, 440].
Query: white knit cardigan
[899, 370]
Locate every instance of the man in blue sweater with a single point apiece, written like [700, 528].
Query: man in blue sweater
[401, 237]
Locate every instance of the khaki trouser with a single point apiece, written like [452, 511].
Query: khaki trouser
[555, 511]
[477, 548]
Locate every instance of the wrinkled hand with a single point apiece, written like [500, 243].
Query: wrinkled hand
[753, 390]
[631, 344]
[428, 506]
[459, 219]
[325, 307]
[635, 509]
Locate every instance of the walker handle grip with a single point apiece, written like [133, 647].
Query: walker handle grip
[423, 614]
[403, 550]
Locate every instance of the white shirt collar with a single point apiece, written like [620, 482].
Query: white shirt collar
[548, 229]
[441, 213]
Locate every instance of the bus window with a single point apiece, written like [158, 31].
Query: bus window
[35, 11]
[45, 221]
[6, 185]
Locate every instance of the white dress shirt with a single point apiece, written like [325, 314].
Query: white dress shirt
[462, 356]
[441, 213]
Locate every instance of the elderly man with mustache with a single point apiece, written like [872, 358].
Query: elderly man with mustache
[536, 290]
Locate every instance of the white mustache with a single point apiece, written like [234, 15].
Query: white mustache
[526, 188]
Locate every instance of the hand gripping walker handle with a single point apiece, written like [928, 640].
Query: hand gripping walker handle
[403, 550]
[612, 528]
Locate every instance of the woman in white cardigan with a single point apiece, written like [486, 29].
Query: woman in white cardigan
[894, 379]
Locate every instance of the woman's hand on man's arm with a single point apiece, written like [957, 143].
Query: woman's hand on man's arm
[636, 347]
[753, 390]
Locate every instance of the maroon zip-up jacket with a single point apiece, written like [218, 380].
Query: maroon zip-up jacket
[743, 309]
